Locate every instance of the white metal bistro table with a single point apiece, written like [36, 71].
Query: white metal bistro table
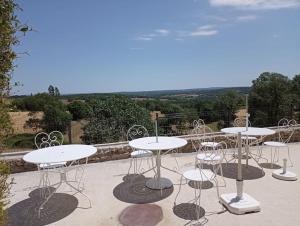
[57, 154]
[158, 144]
[250, 131]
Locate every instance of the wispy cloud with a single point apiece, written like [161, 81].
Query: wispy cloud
[162, 32]
[143, 38]
[206, 30]
[246, 18]
[156, 33]
[257, 4]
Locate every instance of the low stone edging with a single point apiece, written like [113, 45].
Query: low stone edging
[121, 150]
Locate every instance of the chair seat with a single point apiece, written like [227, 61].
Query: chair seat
[209, 157]
[249, 138]
[141, 153]
[52, 165]
[199, 175]
[210, 144]
[275, 144]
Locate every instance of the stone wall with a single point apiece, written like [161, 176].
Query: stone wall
[115, 151]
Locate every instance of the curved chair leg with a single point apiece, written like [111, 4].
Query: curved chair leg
[198, 199]
[221, 171]
[289, 156]
[139, 165]
[180, 184]
[272, 161]
[130, 165]
[277, 153]
[217, 187]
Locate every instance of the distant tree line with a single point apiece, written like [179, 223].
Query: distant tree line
[271, 97]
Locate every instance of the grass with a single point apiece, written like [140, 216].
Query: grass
[214, 126]
[20, 141]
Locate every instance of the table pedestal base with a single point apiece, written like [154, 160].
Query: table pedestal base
[160, 183]
[289, 176]
[244, 205]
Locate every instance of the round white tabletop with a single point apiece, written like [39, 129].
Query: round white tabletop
[62, 153]
[252, 131]
[164, 143]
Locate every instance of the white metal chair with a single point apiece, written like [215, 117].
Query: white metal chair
[135, 132]
[43, 140]
[198, 176]
[286, 129]
[212, 154]
[242, 122]
[246, 140]
[204, 136]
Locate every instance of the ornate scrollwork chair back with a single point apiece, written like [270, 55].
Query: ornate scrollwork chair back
[137, 131]
[43, 140]
[286, 129]
[241, 122]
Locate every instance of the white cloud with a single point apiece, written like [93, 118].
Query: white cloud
[246, 18]
[151, 36]
[143, 38]
[162, 32]
[206, 30]
[203, 33]
[257, 4]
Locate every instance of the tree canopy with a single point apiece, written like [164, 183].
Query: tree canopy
[37, 102]
[79, 110]
[111, 118]
[271, 99]
[10, 27]
[227, 105]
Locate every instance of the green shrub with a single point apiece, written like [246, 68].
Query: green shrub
[5, 184]
[20, 141]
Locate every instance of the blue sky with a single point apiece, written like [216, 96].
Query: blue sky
[131, 45]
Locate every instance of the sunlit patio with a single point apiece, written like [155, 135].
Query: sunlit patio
[117, 199]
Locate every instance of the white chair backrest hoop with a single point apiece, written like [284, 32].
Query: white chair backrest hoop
[43, 140]
[207, 134]
[197, 131]
[286, 129]
[241, 122]
[217, 154]
[137, 131]
[198, 123]
[202, 134]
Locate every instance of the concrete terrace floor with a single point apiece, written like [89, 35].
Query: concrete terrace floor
[280, 200]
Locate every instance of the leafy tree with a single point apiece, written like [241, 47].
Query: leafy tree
[270, 99]
[37, 102]
[206, 110]
[33, 122]
[227, 104]
[79, 110]
[296, 94]
[111, 118]
[55, 118]
[56, 92]
[10, 27]
[51, 90]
